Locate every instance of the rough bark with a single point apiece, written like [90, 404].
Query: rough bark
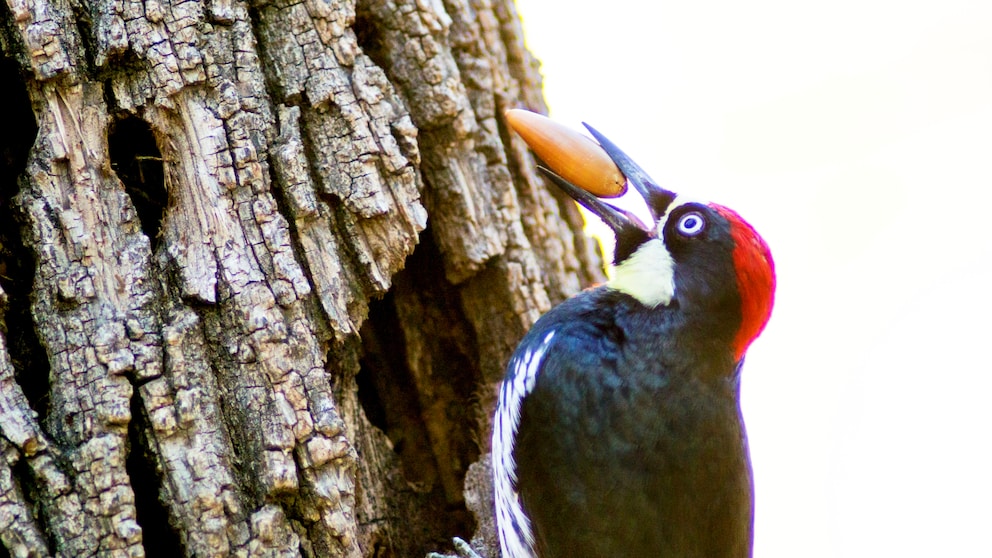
[262, 266]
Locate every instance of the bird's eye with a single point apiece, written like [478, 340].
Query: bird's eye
[691, 224]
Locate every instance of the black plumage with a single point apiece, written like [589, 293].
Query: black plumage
[618, 455]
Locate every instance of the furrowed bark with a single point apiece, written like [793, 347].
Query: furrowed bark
[263, 264]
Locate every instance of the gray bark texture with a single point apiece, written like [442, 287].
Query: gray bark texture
[262, 265]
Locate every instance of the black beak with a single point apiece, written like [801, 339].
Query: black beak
[622, 222]
[617, 219]
[657, 198]
[629, 230]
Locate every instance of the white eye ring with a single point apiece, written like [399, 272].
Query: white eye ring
[691, 224]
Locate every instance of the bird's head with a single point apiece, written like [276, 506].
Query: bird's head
[700, 256]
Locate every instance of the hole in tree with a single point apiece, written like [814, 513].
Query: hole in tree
[158, 537]
[23, 476]
[135, 158]
[388, 393]
[17, 262]
[368, 37]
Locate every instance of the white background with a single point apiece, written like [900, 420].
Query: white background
[856, 136]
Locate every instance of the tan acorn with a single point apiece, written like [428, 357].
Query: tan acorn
[573, 156]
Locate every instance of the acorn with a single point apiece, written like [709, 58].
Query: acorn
[571, 155]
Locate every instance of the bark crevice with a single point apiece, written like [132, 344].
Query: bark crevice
[135, 157]
[28, 357]
[414, 344]
[159, 538]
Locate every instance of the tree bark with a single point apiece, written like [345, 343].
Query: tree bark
[262, 265]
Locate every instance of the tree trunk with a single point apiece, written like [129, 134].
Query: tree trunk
[262, 266]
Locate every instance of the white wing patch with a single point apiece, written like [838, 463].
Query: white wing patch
[516, 539]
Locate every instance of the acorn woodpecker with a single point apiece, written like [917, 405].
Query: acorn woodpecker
[618, 429]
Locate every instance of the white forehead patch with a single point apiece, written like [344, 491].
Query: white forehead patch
[648, 274]
[678, 202]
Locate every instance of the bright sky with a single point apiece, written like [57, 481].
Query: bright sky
[856, 136]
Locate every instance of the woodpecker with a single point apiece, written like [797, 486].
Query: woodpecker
[618, 429]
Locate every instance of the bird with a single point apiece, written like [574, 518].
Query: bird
[618, 430]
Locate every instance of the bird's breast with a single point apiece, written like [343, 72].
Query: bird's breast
[626, 457]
